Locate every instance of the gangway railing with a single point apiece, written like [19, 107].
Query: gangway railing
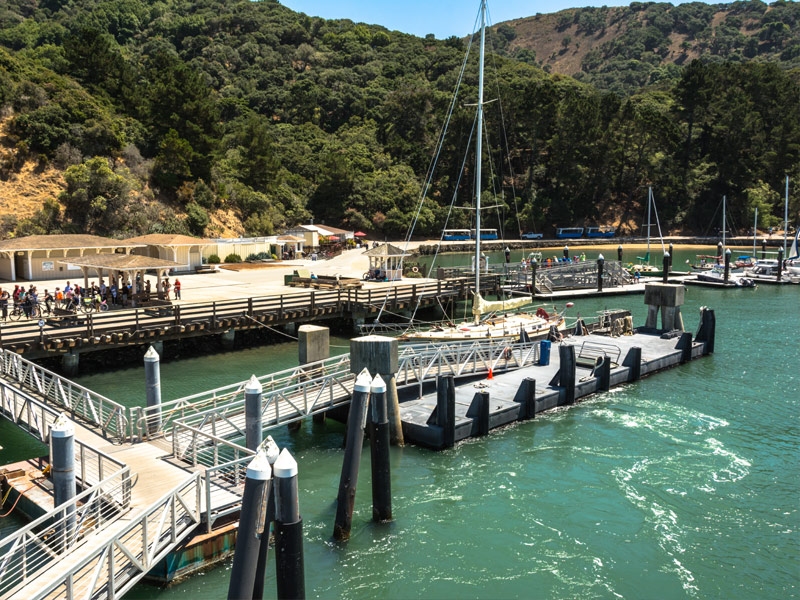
[212, 399]
[204, 432]
[36, 418]
[112, 568]
[110, 417]
[35, 548]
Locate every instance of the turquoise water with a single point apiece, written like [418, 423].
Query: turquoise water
[682, 485]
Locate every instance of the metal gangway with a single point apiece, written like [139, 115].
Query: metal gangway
[578, 275]
[142, 493]
[134, 506]
[196, 427]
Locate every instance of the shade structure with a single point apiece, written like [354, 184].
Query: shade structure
[360, 234]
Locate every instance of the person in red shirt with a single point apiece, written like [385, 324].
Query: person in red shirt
[177, 287]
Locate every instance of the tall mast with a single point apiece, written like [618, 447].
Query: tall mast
[723, 225]
[478, 144]
[649, 204]
[786, 216]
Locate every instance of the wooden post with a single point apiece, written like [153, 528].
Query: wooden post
[600, 262]
[379, 450]
[446, 409]
[780, 264]
[257, 487]
[727, 265]
[603, 375]
[379, 355]
[348, 481]
[566, 371]
[289, 567]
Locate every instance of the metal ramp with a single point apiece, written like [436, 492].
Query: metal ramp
[121, 524]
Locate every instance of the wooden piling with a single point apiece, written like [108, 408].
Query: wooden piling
[600, 262]
[257, 487]
[482, 399]
[603, 375]
[253, 394]
[685, 344]
[348, 481]
[379, 450]
[528, 399]
[634, 362]
[289, 567]
[566, 372]
[446, 409]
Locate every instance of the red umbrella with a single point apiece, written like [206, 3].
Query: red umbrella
[360, 234]
[333, 238]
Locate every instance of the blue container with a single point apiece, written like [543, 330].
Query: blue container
[544, 352]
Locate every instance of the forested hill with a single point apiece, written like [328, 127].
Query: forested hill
[212, 116]
[626, 48]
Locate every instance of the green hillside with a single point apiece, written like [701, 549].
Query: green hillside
[626, 48]
[178, 116]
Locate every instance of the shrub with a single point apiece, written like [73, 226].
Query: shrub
[213, 259]
[233, 258]
[252, 257]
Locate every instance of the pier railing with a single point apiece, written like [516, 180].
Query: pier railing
[112, 568]
[110, 417]
[32, 550]
[76, 332]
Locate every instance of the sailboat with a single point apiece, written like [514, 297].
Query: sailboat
[644, 265]
[488, 322]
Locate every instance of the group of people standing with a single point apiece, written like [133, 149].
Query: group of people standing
[29, 301]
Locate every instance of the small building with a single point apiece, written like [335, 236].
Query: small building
[312, 233]
[124, 268]
[42, 257]
[182, 249]
[290, 244]
[384, 262]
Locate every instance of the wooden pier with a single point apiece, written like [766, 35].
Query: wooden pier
[97, 331]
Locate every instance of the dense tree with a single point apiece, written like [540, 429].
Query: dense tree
[251, 108]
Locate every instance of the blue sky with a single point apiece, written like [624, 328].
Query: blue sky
[440, 17]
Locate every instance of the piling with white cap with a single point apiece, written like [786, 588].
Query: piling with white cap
[379, 449]
[600, 262]
[270, 448]
[152, 378]
[62, 445]
[356, 421]
[252, 526]
[253, 393]
[289, 568]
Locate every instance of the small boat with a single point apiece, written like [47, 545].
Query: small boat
[644, 266]
[716, 274]
[569, 232]
[604, 231]
[767, 270]
[706, 262]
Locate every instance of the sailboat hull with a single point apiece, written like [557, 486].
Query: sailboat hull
[502, 328]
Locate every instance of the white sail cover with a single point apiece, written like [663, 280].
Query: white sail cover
[482, 307]
[793, 251]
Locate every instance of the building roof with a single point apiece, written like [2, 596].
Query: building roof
[168, 239]
[63, 242]
[120, 262]
[290, 238]
[325, 230]
[335, 230]
[386, 250]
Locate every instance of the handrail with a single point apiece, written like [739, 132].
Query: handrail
[114, 567]
[205, 436]
[50, 538]
[111, 417]
[34, 416]
[224, 483]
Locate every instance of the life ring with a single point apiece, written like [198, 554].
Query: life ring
[414, 270]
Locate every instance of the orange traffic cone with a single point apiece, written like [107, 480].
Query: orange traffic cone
[491, 376]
